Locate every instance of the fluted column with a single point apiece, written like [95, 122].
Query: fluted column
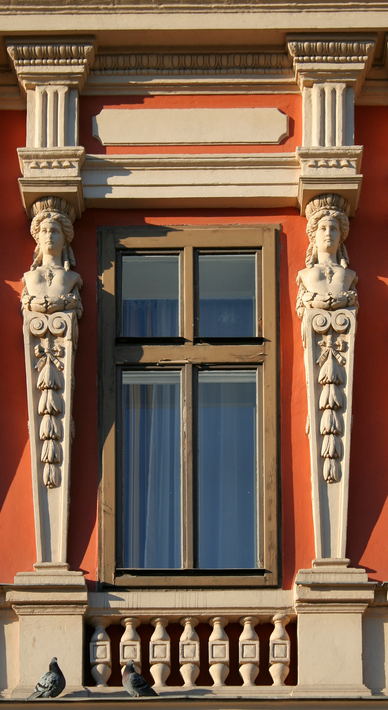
[330, 73]
[52, 74]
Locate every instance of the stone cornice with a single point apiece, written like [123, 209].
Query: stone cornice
[187, 62]
[39, 61]
[326, 49]
[248, 6]
[230, 70]
[321, 58]
[176, 180]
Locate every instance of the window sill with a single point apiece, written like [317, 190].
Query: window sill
[249, 579]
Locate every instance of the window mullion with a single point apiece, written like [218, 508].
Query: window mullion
[188, 294]
[187, 468]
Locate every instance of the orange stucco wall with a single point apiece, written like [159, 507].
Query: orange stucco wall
[368, 251]
[290, 104]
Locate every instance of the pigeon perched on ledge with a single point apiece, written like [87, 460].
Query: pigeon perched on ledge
[51, 683]
[134, 684]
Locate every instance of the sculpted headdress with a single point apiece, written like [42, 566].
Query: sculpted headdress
[327, 205]
[64, 213]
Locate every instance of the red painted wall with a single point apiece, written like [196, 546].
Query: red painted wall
[368, 250]
[290, 104]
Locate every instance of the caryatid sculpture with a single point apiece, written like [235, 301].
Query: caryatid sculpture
[327, 304]
[51, 308]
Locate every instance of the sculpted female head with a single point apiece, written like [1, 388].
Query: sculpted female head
[60, 215]
[327, 208]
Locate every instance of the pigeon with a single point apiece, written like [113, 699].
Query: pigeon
[51, 683]
[134, 684]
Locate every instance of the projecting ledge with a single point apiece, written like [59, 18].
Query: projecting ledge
[179, 702]
[216, 180]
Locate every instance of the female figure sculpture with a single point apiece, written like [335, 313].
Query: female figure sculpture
[51, 307]
[327, 282]
[327, 304]
[50, 285]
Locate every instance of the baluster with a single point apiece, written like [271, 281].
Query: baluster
[279, 650]
[249, 650]
[160, 651]
[130, 644]
[189, 651]
[100, 655]
[218, 651]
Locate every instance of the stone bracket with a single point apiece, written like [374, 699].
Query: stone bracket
[54, 171]
[329, 353]
[50, 342]
[330, 170]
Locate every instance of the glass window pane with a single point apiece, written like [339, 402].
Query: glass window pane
[227, 466]
[151, 536]
[150, 295]
[227, 299]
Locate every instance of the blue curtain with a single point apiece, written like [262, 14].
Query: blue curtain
[150, 318]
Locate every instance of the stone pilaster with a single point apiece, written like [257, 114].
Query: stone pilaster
[330, 602]
[327, 304]
[330, 72]
[51, 308]
[52, 74]
[50, 607]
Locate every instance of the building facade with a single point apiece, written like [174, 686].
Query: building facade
[193, 434]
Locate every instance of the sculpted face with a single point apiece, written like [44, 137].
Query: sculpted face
[51, 237]
[328, 235]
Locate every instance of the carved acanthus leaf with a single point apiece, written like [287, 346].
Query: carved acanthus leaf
[56, 53]
[331, 50]
[330, 398]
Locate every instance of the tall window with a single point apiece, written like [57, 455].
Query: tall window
[188, 405]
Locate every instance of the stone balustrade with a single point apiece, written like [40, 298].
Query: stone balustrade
[207, 654]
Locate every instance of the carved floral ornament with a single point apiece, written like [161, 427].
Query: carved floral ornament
[327, 303]
[51, 306]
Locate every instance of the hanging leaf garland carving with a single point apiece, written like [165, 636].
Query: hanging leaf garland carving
[49, 367]
[331, 376]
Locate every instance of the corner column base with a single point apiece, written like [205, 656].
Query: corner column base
[50, 604]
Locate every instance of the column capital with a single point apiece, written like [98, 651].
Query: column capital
[52, 72]
[325, 58]
[51, 60]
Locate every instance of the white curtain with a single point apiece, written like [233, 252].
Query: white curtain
[151, 470]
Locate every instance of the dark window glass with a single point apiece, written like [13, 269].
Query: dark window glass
[227, 296]
[151, 519]
[227, 466]
[150, 296]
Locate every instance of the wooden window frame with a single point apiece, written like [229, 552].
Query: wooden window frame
[116, 354]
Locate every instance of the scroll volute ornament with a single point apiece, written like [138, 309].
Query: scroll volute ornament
[51, 307]
[327, 304]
